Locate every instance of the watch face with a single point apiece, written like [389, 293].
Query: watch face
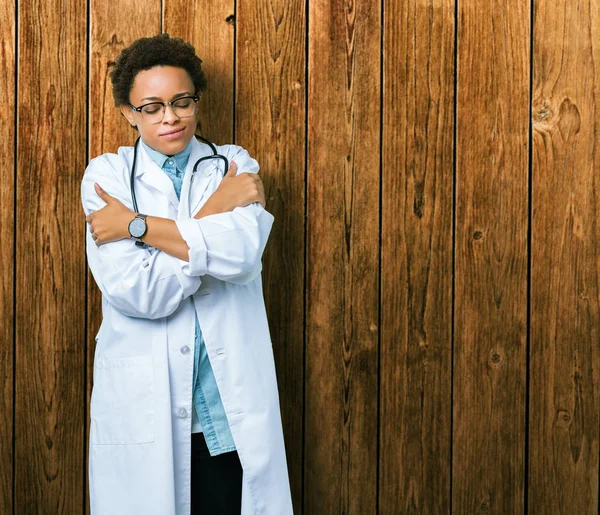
[137, 227]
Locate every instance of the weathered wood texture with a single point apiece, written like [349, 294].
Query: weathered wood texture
[565, 259]
[491, 278]
[416, 261]
[342, 286]
[431, 278]
[50, 269]
[7, 258]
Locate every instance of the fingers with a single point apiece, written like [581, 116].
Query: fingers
[232, 169]
[101, 193]
[256, 188]
[95, 238]
[89, 220]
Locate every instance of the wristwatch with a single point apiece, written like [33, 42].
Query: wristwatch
[137, 228]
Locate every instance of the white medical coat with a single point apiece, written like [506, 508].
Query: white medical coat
[141, 404]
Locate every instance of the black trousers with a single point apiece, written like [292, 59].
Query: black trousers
[216, 480]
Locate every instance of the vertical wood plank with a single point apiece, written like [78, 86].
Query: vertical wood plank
[342, 257]
[491, 257]
[112, 30]
[7, 261]
[270, 73]
[563, 465]
[416, 264]
[209, 26]
[50, 279]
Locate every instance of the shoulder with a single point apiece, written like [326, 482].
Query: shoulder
[245, 162]
[112, 163]
[111, 172]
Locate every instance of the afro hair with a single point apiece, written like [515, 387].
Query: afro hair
[145, 53]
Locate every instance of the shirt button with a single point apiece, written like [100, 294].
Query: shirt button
[171, 163]
[182, 412]
[185, 349]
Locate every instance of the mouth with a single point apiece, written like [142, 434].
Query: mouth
[172, 134]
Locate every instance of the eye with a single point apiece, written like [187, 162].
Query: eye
[152, 108]
[183, 102]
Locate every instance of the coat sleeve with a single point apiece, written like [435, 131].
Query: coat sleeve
[228, 246]
[139, 282]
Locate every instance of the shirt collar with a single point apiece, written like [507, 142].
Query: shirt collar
[160, 159]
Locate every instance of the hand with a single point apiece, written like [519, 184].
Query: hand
[234, 191]
[111, 223]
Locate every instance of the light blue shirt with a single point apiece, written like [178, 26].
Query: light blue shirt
[206, 400]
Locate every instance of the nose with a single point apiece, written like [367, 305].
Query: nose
[169, 116]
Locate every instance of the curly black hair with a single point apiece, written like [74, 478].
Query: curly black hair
[145, 53]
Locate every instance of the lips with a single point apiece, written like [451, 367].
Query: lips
[173, 134]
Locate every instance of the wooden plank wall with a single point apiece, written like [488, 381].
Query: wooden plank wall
[7, 253]
[432, 278]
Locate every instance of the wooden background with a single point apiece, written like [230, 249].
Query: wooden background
[432, 277]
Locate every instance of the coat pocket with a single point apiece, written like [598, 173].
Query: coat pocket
[122, 403]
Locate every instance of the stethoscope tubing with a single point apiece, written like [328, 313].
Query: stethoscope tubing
[135, 148]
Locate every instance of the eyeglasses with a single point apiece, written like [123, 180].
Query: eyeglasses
[154, 112]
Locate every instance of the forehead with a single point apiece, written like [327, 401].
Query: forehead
[161, 82]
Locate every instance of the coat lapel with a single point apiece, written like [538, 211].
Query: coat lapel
[195, 184]
[149, 172]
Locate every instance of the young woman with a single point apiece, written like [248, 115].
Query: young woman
[184, 411]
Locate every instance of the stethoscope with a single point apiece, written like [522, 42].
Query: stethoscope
[214, 155]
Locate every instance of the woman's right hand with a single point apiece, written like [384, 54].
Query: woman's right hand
[234, 191]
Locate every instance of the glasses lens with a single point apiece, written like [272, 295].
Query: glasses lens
[184, 107]
[153, 113]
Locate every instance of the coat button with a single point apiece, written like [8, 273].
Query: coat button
[185, 349]
[182, 412]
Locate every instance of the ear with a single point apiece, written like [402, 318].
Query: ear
[128, 113]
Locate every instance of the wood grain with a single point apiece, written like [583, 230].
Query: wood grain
[563, 464]
[396, 278]
[209, 26]
[416, 262]
[490, 336]
[270, 73]
[50, 279]
[111, 31]
[7, 258]
[342, 295]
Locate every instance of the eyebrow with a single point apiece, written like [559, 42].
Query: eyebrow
[183, 93]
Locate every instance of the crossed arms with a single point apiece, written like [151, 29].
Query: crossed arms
[151, 283]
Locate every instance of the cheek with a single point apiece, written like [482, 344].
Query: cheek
[147, 133]
[192, 122]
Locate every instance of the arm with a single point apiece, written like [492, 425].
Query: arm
[227, 245]
[111, 222]
[145, 283]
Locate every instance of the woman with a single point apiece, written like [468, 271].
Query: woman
[184, 411]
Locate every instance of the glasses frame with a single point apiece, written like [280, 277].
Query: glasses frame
[195, 98]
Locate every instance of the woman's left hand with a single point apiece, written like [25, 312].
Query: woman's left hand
[111, 223]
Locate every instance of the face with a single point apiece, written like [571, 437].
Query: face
[162, 84]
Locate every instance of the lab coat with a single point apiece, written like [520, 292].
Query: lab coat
[141, 403]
